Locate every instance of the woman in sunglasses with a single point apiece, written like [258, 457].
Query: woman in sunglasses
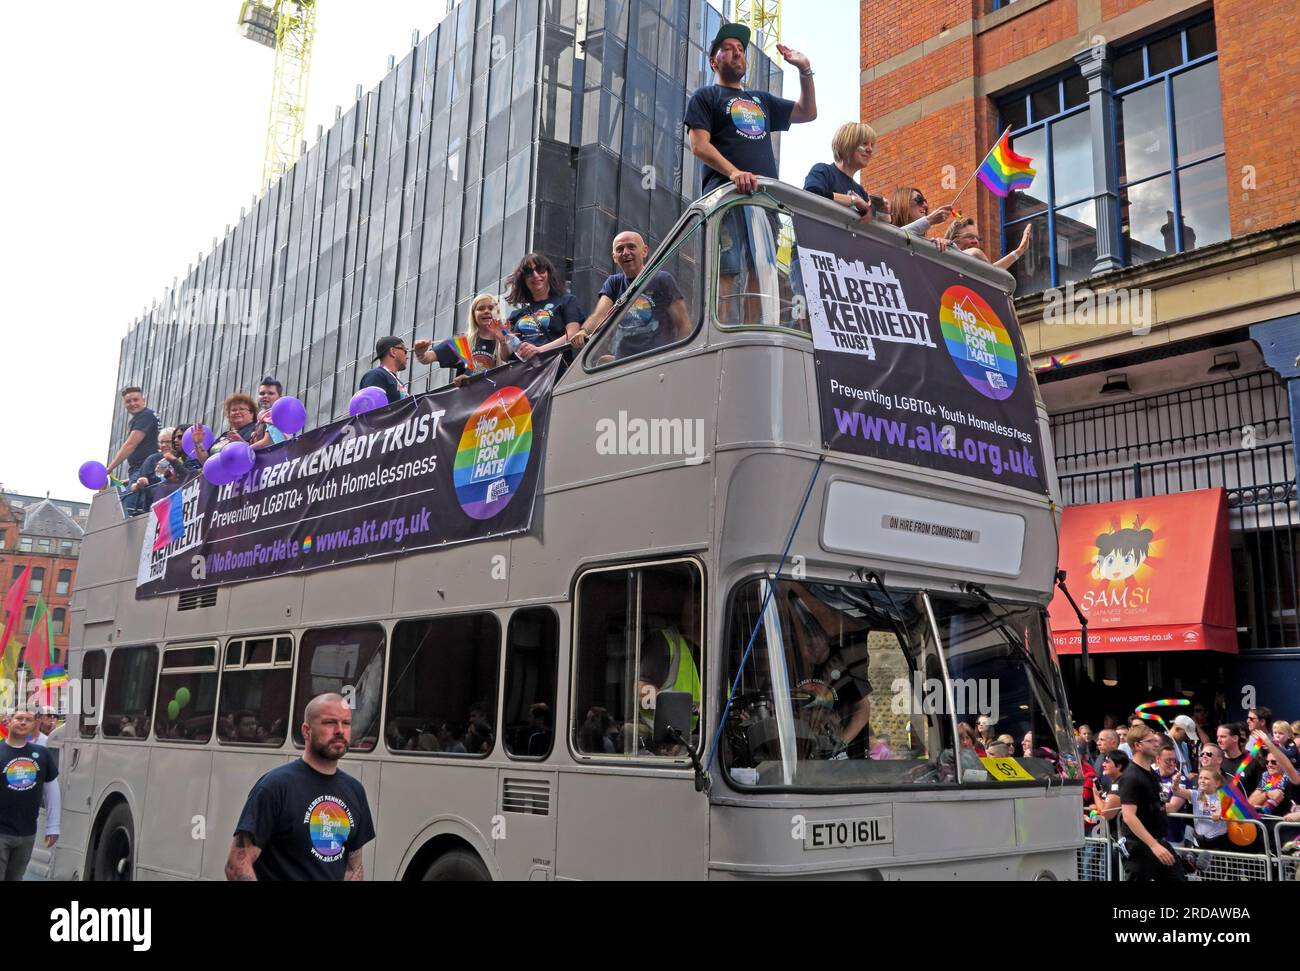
[546, 315]
[909, 211]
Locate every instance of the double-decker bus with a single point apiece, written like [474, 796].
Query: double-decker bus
[792, 534]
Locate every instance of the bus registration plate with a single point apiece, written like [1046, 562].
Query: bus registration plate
[825, 834]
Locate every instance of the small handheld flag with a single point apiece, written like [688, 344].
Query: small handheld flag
[1003, 171]
[1232, 805]
[170, 512]
[460, 346]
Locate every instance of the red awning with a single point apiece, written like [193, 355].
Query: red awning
[1149, 574]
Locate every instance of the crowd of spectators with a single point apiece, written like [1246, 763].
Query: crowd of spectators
[1139, 780]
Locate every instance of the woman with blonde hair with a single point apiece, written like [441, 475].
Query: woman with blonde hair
[852, 146]
[489, 341]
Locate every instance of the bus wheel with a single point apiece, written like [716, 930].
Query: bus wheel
[457, 866]
[116, 846]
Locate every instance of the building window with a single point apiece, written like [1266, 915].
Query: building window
[1171, 181]
[18, 572]
[38, 580]
[28, 618]
[64, 583]
[60, 616]
[25, 544]
[65, 546]
[44, 544]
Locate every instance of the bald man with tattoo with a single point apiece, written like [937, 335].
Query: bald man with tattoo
[306, 820]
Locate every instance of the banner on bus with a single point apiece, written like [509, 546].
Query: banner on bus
[917, 363]
[1150, 574]
[452, 466]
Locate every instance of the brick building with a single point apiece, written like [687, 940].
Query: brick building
[46, 535]
[1164, 269]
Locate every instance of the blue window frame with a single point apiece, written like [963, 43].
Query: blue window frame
[1171, 180]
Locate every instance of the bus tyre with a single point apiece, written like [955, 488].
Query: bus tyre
[115, 850]
[457, 866]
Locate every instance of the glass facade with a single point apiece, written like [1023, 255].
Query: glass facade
[515, 125]
[1171, 181]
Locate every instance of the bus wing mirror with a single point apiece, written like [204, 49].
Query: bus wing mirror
[673, 717]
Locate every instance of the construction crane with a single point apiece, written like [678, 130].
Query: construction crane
[764, 18]
[288, 27]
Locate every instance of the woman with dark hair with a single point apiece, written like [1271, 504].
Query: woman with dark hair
[547, 316]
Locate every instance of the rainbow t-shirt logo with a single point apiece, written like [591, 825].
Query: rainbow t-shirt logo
[749, 117]
[329, 823]
[21, 773]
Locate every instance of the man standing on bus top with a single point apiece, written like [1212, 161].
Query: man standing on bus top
[306, 820]
[730, 128]
[390, 352]
[25, 770]
[656, 318]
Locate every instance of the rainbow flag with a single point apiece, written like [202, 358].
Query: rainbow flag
[40, 642]
[463, 350]
[1003, 171]
[1233, 805]
[170, 511]
[13, 609]
[1246, 759]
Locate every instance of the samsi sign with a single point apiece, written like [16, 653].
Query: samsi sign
[916, 362]
[453, 466]
[1150, 575]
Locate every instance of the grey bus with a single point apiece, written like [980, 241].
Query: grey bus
[731, 644]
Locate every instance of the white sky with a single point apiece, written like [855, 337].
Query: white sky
[136, 135]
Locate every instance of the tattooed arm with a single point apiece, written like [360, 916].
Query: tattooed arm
[356, 868]
[239, 864]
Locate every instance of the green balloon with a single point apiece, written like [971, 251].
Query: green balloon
[182, 696]
[173, 710]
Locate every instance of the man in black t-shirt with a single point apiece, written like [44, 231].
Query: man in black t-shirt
[655, 317]
[1143, 820]
[142, 435]
[730, 128]
[390, 352]
[306, 820]
[25, 769]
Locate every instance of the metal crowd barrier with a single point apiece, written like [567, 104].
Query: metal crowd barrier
[1100, 860]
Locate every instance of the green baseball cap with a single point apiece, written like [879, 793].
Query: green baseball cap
[726, 32]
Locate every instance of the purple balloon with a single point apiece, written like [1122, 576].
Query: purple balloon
[238, 459]
[187, 440]
[93, 475]
[214, 470]
[367, 399]
[289, 415]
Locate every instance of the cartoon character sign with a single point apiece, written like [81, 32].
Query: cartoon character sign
[1121, 552]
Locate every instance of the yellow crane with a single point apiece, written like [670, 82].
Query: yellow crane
[764, 18]
[288, 27]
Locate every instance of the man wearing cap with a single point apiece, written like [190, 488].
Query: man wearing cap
[1184, 736]
[729, 127]
[390, 352]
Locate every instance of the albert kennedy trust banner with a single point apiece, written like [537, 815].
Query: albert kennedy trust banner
[452, 466]
[917, 363]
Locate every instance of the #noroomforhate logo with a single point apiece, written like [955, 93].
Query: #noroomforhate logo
[493, 453]
[978, 343]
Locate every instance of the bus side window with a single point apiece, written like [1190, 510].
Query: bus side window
[92, 692]
[129, 696]
[528, 712]
[640, 631]
[442, 698]
[187, 689]
[348, 661]
[255, 686]
[759, 277]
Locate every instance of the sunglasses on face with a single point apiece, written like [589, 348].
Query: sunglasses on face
[918, 200]
[531, 270]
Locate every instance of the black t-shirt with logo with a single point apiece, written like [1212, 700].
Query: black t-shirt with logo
[305, 823]
[740, 125]
[1141, 788]
[645, 323]
[539, 322]
[23, 774]
[147, 422]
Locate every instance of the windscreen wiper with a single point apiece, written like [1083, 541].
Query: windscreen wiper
[1083, 620]
[1013, 642]
[895, 615]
